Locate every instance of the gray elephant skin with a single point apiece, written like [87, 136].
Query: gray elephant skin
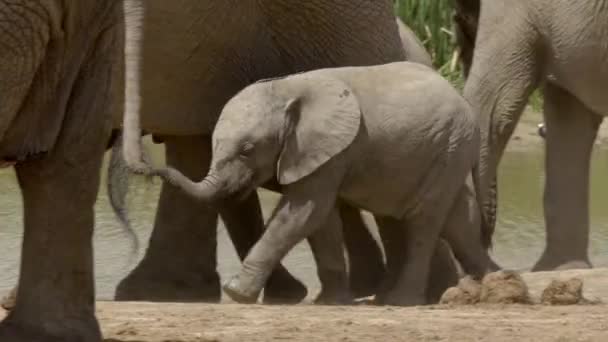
[559, 46]
[349, 134]
[188, 72]
[61, 67]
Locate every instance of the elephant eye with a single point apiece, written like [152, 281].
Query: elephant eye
[246, 149]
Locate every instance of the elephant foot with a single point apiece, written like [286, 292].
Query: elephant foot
[400, 299]
[334, 298]
[74, 331]
[142, 285]
[551, 263]
[236, 291]
[283, 288]
[493, 266]
[8, 301]
[366, 282]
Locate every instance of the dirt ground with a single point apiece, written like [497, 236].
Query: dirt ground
[229, 322]
[226, 322]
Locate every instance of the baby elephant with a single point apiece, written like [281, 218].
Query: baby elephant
[396, 140]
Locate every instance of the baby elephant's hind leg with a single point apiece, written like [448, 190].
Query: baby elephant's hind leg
[327, 248]
[463, 232]
[420, 238]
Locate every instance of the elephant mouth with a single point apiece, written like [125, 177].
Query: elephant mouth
[246, 186]
[241, 195]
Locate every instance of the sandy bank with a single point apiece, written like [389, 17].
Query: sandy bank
[155, 322]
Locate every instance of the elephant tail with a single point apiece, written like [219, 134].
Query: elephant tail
[132, 145]
[487, 212]
[117, 188]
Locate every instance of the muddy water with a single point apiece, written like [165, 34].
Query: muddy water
[518, 241]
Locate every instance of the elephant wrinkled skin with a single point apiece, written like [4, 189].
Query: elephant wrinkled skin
[349, 134]
[560, 47]
[61, 66]
[195, 55]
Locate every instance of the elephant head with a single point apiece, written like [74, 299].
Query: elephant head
[286, 128]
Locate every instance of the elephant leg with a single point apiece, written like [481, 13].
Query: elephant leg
[463, 233]
[8, 301]
[365, 262]
[392, 239]
[571, 131]
[301, 212]
[180, 262]
[444, 272]
[327, 248]
[56, 290]
[418, 241]
[245, 225]
[56, 294]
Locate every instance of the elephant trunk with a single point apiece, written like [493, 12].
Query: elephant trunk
[206, 190]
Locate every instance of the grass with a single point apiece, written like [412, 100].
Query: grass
[431, 20]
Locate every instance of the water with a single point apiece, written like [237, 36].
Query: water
[519, 236]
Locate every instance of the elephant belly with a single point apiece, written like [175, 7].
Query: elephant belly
[196, 56]
[391, 188]
[578, 61]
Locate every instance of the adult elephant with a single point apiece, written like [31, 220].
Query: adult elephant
[559, 46]
[61, 65]
[195, 55]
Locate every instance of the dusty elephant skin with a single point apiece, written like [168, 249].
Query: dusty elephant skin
[328, 135]
[61, 67]
[185, 80]
[519, 46]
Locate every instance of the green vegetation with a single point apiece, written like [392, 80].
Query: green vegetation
[431, 20]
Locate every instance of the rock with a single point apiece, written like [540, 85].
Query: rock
[8, 301]
[504, 287]
[467, 292]
[563, 292]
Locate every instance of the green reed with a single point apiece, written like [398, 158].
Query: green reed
[431, 20]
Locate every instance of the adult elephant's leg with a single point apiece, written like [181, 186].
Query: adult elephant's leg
[571, 131]
[56, 286]
[444, 272]
[327, 248]
[462, 231]
[365, 261]
[180, 262]
[56, 291]
[245, 225]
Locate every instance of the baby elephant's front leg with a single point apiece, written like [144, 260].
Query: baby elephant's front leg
[298, 215]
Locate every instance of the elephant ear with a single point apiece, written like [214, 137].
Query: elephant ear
[322, 119]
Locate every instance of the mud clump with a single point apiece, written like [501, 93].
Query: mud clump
[467, 292]
[560, 292]
[504, 287]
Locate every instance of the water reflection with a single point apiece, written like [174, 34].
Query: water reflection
[519, 237]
